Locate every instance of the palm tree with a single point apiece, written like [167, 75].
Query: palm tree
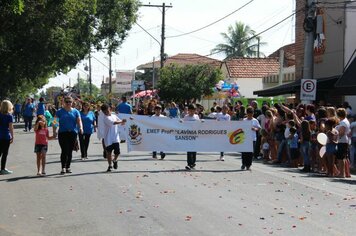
[239, 42]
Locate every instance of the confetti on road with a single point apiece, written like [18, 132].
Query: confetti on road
[188, 218]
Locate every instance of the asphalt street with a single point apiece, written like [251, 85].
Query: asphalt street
[146, 196]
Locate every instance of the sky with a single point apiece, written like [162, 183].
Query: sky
[186, 16]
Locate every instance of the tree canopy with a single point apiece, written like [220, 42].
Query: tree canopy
[41, 38]
[240, 42]
[184, 84]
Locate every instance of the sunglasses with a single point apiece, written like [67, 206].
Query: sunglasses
[68, 101]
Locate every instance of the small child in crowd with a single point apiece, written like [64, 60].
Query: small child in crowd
[265, 146]
[331, 146]
[293, 147]
[41, 143]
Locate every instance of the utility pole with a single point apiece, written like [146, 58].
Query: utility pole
[153, 73]
[90, 79]
[78, 78]
[309, 29]
[281, 67]
[163, 6]
[110, 77]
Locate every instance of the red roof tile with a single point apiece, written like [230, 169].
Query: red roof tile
[183, 59]
[252, 67]
[289, 54]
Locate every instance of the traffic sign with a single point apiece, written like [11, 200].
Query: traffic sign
[308, 89]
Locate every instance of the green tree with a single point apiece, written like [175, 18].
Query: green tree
[240, 42]
[84, 88]
[41, 38]
[184, 84]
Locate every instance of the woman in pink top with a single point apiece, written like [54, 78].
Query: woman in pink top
[41, 143]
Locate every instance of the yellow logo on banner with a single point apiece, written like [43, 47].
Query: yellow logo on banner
[135, 134]
[236, 137]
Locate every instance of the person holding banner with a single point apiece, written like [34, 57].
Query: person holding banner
[223, 116]
[247, 156]
[111, 135]
[191, 156]
[158, 111]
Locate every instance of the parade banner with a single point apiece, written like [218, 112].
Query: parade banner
[164, 134]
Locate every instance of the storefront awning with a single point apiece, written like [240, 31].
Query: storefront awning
[323, 84]
[348, 78]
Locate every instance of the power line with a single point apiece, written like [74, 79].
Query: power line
[179, 35]
[254, 36]
[148, 33]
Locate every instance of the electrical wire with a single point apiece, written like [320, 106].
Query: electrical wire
[204, 27]
[148, 33]
[254, 36]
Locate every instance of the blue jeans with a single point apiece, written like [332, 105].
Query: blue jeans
[305, 152]
[283, 145]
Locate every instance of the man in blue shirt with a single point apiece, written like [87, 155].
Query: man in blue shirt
[28, 114]
[124, 107]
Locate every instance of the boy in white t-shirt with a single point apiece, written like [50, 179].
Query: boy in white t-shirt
[223, 116]
[111, 135]
[158, 111]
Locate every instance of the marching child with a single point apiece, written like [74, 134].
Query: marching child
[158, 111]
[41, 143]
[191, 116]
[223, 116]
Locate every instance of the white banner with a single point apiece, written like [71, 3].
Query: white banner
[164, 134]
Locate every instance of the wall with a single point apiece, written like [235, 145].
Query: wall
[332, 61]
[350, 45]
[248, 85]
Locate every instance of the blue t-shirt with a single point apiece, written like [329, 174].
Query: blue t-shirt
[68, 120]
[124, 108]
[294, 141]
[29, 107]
[18, 108]
[173, 112]
[5, 120]
[88, 122]
[40, 108]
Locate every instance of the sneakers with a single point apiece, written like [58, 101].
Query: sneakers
[222, 158]
[5, 172]
[154, 156]
[243, 167]
[248, 168]
[109, 169]
[25, 130]
[115, 164]
[190, 167]
[163, 155]
[68, 170]
[63, 171]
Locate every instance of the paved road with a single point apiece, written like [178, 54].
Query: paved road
[154, 197]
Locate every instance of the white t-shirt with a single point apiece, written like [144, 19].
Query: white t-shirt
[213, 115]
[100, 124]
[111, 131]
[255, 124]
[286, 132]
[195, 117]
[155, 116]
[222, 117]
[344, 123]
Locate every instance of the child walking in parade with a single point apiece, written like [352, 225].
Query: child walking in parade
[191, 156]
[247, 156]
[111, 135]
[158, 111]
[223, 116]
[41, 144]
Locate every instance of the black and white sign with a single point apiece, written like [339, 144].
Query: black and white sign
[308, 89]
